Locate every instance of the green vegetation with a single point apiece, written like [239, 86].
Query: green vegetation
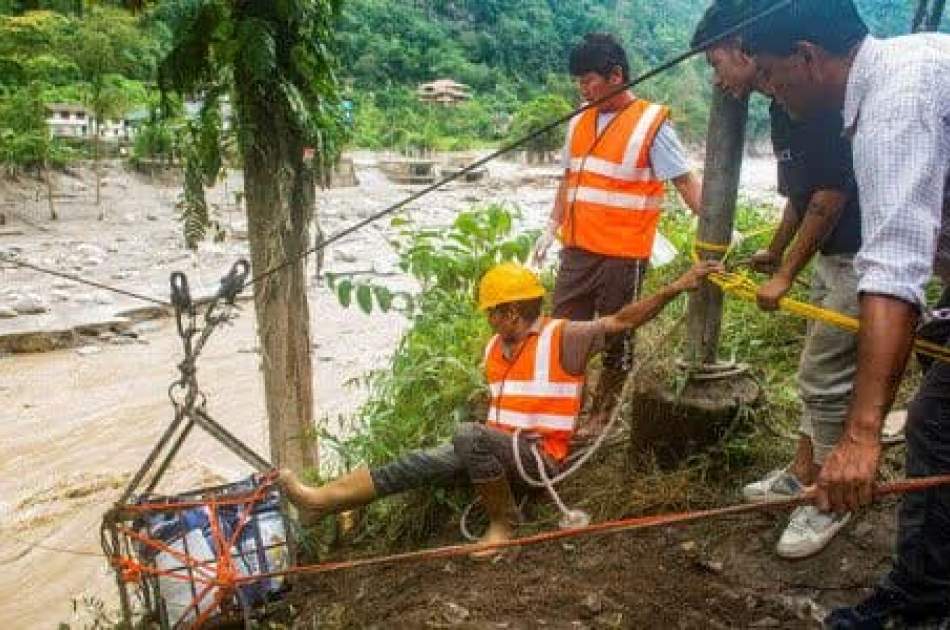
[435, 374]
[103, 59]
[276, 63]
[395, 119]
[510, 52]
[537, 114]
[24, 138]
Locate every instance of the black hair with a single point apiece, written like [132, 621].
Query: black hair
[528, 310]
[835, 25]
[600, 53]
[723, 15]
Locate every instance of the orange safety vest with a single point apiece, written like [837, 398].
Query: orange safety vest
[613, 196]
[533, 392]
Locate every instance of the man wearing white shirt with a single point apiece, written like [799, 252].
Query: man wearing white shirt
[895, 97]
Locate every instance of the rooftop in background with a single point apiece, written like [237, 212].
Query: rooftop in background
[72, 108]
[74, 120]
[444, 91]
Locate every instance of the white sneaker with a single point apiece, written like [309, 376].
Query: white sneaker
[778, 484]
[808, 531]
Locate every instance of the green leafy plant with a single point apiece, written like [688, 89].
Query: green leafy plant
[536, 114]
[203, 160]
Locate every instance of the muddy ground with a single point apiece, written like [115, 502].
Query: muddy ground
[719, 573]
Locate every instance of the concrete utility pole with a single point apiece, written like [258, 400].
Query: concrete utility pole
[936, 15]
[725, 140]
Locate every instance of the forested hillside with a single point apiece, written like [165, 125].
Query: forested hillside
[510, 52]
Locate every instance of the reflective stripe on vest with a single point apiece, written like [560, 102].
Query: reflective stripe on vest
[534, 392]
[613, 196]
[530, 420]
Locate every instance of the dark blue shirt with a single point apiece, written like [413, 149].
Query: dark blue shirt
[814, 155]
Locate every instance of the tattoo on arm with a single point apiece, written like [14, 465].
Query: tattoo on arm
[791, 219]
[822, 214]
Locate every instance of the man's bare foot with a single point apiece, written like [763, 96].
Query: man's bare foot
[295, 490]
[497, 533]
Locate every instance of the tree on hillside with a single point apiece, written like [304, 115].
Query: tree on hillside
[536, 114]
[275, 60]
[25, 138]
[35, 47]
[107, 45]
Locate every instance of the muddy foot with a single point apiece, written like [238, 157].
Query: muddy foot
[497, 533]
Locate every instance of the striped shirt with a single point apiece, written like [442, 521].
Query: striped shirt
[897, 112]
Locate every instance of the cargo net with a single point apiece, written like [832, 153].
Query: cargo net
[218, 553]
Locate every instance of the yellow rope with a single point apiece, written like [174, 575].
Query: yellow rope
[743, 287]
[712, 247]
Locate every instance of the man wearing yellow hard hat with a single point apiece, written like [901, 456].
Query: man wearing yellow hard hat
[535, 368]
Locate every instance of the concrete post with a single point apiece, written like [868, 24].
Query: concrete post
[725, 139]
[936, 14]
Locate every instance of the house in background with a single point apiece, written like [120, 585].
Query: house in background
[194, 105]
[72, 120]
[443, 92]
[68, 120]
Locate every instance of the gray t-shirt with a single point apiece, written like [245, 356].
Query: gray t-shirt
[667, 155]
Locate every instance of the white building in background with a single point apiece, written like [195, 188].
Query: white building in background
[443, 92]
[193, 107]
[71, 120]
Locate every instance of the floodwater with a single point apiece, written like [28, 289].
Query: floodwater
[75, 424]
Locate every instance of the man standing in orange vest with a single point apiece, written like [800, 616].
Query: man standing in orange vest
[535, 369]
[617, 157]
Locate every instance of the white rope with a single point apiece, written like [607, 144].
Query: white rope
[570, 518]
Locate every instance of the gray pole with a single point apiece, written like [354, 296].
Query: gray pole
[933, 23]
[725, 139]
[919, 16]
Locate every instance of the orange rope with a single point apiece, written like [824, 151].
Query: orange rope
[643, 522]
[227, 578]
[243, 498]
[179, 555]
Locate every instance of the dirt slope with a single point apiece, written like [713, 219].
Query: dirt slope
[720, 574]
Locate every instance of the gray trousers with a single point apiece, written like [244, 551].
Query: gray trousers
[476, 451]
[829, 359]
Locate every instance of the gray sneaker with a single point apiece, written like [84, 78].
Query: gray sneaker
[777, 485]
[808, 531]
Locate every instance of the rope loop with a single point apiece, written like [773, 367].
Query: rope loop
[715, 248]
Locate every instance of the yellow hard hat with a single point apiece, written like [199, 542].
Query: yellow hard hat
[508, 282]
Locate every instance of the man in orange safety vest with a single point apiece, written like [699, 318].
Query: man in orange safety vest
[535, 369]
[616, 159]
